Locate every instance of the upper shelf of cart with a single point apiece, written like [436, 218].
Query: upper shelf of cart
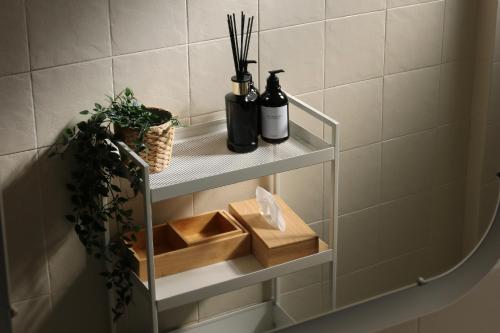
[202, 161]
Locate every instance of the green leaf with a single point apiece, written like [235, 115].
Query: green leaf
[70, 218]
[121, 200]
[84, 112]
[115, 188]
[74, 200]
[82, 126]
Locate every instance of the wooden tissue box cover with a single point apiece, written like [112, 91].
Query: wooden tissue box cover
[190, 243]
[269, 245]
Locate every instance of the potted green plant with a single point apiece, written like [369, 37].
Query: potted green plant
[98, 204]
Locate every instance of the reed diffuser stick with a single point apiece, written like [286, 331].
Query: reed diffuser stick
[247, 41]
[236, 43]
[240, 48]
[231, 36]
[242, 45]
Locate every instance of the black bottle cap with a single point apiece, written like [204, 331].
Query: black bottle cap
[273, 82]
[242, 79]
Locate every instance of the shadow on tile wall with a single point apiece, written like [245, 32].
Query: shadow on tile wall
[53, 282]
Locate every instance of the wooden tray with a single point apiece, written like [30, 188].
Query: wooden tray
[269, 245]
[189, 245]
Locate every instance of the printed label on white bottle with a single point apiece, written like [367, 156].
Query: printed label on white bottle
[274, 122]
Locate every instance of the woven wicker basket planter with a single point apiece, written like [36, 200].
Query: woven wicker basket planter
[158, 140]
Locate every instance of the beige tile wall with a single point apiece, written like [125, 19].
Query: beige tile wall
[483, 159]
[490, 164]
[395, 73]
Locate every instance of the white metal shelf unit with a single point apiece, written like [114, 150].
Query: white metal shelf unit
[202, 161]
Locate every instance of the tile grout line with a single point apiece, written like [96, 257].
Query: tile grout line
[443, 32]
[403, 197]
[22, 151]
[112, 56]
[74, 63]
[382, 262]
[302, 288]
[111, 49]
[188, 55]
[437, 120]
[381, 173]
[454, 122]
[296, 25]
[258, 46]
[323, 174]
[383, 75]
[37, 155]
[416, 4]
[30, 299]
[28, 46]
[188, 52]
[416, 69]
[356, 14]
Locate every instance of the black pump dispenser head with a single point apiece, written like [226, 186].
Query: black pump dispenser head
[273, 82]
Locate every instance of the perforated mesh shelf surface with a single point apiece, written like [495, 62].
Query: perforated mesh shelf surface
[199, 157]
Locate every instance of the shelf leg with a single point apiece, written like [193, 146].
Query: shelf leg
[275, 287]
[334, 208]
[148, 220]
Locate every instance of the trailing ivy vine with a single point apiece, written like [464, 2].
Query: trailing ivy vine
[97, 202]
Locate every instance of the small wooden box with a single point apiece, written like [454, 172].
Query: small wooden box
[190, 243]
[206, 228]
[269, 245]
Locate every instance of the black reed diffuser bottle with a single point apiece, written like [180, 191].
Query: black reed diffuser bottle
[242, 103]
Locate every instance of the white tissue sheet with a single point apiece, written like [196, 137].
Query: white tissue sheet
[270, 209]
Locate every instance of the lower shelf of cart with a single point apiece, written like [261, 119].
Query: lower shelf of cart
[200, 283]
[258, 318]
